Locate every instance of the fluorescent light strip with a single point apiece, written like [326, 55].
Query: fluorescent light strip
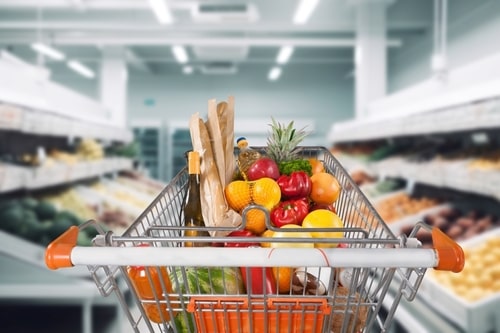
[81, 69]
[48, 51]
[187, 69]
[304, 11]
[284, 55]
[180, 54]
[161, 11]
[274, 73]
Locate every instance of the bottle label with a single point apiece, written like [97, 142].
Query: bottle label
[194, 162]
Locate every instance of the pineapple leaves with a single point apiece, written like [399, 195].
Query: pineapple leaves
[283, 141]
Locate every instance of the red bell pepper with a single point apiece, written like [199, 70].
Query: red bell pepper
[297, 185]
[290, 212]
[241, 233]
[260, 280]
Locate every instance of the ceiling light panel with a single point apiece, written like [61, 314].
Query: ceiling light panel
[162, 11]
[81, 69]
[180, 54]
[221, 53]
[304, 11]
[274, 74]
[219, 68]
[48, 51]
[284, 55]
[224, 13]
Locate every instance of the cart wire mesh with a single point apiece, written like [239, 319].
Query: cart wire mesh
[222, 299]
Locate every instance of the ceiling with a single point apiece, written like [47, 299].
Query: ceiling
[246, 36]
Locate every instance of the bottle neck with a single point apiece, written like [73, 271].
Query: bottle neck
[193, 163]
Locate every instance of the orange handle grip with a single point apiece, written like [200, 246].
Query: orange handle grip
[450, 254]
[58, 252]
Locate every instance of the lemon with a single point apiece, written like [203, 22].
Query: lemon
[323, 218]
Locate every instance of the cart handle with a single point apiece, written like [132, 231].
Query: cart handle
[450, 255]
[58, 253]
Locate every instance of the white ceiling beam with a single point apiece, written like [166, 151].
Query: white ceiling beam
[149, 40]
[265, 61]
[210, 41]
[261, 27]
[91, 5]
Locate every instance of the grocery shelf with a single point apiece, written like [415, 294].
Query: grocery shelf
[18, 118]
[14, 177]
[31, 285]
[450, 174]
[484, 114]
[32, 253]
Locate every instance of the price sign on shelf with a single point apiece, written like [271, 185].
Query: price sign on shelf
[480, 138]
[11, 117]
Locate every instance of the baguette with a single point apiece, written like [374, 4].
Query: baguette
[215, 210]
[225, 112]
[214, 127]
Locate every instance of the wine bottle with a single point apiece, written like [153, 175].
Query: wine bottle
[193, 216]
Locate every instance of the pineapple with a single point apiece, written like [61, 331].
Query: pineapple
[282, 147]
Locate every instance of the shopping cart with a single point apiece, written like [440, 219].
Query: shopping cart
[349, 288]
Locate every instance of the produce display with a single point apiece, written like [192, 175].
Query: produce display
[458, 224]
[481, 275]
[490, 161]
[123, 195]
[69, 199]
[401, 205]
[90, 149]
[39, 221]
[43, 216]
[382, 187]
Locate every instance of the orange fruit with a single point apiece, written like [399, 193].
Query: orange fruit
[325, 188]
[238, 194]
[316, 165]
[266, 192]
[267, 234]
[283, 275]
[255, 221]
[323, 218]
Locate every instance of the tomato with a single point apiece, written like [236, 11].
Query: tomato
[323, 218]
[283, 233]
[325, 188]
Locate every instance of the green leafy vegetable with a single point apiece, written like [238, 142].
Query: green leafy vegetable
[287, 167]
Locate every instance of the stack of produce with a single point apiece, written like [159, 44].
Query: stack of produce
[488, 162]
[39, 221]
[402, 205]
[90, 149]
[68, 199]
[120, 195]
[458, 224]
[480, 277]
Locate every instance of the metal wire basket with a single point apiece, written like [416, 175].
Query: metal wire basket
[353, 288]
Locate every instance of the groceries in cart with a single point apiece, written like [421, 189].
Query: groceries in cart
[251, 239]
